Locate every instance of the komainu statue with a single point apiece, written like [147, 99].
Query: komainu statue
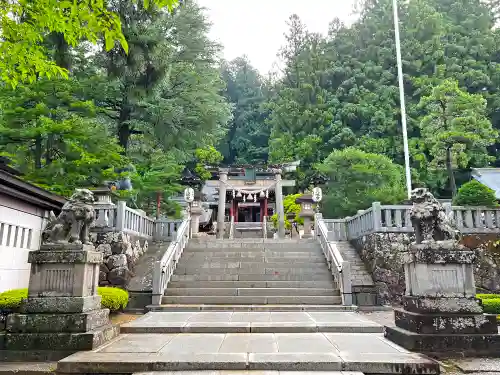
[429, 219]
[74, 222]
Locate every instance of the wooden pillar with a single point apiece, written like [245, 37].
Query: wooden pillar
[265, 206]
[261, 202]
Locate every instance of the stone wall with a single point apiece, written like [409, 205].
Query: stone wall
[381, 253]
[121, 252]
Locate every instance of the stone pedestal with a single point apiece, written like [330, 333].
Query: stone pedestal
[440, 314]
[62, 313]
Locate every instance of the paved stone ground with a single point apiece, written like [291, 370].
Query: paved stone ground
[247, 322]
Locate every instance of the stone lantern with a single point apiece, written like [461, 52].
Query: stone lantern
[104, 207]
[196, 212]
[307, 213]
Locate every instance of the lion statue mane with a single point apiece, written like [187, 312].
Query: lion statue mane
[429, 219]
[74, 222]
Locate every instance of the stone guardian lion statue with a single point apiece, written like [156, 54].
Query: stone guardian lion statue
[74, 222]
[429, 219]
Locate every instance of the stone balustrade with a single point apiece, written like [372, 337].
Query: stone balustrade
[396, 219]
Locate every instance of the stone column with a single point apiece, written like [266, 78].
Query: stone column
[196, 212]
[62, 314]
[279, 204]
[222, 203]
[440, 314]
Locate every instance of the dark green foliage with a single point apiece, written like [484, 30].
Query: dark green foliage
[246, 141]
[474, 193]
[356, 179]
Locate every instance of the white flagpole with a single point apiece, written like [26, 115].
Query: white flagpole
[402, 97]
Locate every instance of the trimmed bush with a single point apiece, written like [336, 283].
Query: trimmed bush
[11, 299]
[487, 296]
[115, 299]
[474, 193]
[491, 306]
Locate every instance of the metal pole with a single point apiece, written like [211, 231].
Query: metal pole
[402, 97]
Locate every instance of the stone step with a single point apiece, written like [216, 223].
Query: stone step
[207, 291]
[257, 270]
[248, 322]
[248, 308]
[253, 300]
[184, 263]
[237, 372]
[253, 277]
[364, 352]
[250, 284]
[260, 258]
[246, 253]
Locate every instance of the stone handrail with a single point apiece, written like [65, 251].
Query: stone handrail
[164, 268]
[231, 228]
[264, 226]
[166, 228]
[396, 219]
[340, 268]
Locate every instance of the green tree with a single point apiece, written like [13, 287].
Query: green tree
[356, 179]
[474, 193]
[455, 129]
[289, 207]
[25, 25]
[204, 157]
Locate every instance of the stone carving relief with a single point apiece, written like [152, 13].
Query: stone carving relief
[74, 222]
[429, 219]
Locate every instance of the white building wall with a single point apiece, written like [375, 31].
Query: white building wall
[20, 231]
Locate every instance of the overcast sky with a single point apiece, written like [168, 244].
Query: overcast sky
[256, 27]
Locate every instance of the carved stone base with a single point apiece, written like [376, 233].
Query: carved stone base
[63, 305]
[449, 345]
[446, 323]
[35, 346]
[56, 323]
[431, 305]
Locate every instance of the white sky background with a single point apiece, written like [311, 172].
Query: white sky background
[256, 27]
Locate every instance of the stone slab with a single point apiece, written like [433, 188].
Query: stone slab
[447, 344]
[374, 363]
[478, 364]
[27, 368]
[258, 322]
[250, 372]
[64, 305]
[247, 308]
[446, 323]
[44, 323]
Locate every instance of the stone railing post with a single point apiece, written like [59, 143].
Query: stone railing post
[377, 216]
[221, 213]
[120, 215]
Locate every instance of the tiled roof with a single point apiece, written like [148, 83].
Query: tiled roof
[489, 177]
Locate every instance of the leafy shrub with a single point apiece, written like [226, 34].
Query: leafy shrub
[356, 179]
[114, 299]
[474, 193]
[11, 299]
[487, 296]
[289, 206]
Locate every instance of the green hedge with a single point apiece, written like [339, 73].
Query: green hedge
[115, 299]
[487, 296]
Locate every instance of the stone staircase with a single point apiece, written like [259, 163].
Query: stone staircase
[364, 292]
[251, 272]
[250, 306]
